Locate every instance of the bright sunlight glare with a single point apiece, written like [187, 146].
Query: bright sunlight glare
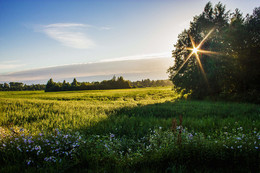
[195, 51]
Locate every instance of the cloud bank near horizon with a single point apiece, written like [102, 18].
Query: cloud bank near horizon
[131, 69]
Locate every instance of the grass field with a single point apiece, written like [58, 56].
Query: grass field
[128, 129]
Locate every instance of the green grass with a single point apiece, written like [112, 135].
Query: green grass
[37, 110]
[140, 120]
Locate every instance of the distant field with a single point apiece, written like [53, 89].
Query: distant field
[37, 110]
[129, 128]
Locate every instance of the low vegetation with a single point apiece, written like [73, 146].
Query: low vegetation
[148, 129]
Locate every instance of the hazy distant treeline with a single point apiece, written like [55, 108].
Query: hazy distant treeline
[18, 86]
[151, 83]
[114, 83]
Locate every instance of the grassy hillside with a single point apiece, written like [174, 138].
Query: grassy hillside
[130, 129]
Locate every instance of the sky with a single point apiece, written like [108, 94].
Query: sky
[37, 35]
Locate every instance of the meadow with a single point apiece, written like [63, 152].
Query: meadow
[130, 130]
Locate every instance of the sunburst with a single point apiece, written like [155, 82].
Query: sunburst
[194, 51]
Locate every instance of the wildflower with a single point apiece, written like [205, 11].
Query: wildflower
[18, 147]
[190, 136]
[65, 136]
[29, 162]
[46, 159]
[37, 148]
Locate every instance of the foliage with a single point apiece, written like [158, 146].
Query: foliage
[151, 83]
[233, 72]
[18, 86]
[118, 83]
[75, 85]
[114, 83]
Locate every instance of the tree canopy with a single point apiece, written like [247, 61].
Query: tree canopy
[233, 71]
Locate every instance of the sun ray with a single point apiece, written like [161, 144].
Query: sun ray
[207, 52]
[201, 68]
[182, 64]
[192, 42]
[204, 39]
[195, 50]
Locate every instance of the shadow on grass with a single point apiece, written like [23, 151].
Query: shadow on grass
[207, 117]
[198, 116]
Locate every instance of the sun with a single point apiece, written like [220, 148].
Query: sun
[194, 50]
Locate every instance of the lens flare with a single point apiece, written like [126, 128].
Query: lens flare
[195, 50]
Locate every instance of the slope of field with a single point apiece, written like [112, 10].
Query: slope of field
[130, 128]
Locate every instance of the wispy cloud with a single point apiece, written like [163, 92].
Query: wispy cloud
[69, 34]
[142, 56]
[10, 65]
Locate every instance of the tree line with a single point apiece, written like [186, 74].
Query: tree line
[234, 71]
[18, 86]
[151, 83]
[114, 83]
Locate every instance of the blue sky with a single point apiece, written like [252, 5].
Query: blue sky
[47, 33]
